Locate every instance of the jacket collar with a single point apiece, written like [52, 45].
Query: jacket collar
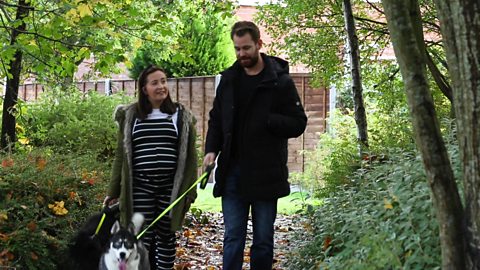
[274, 68]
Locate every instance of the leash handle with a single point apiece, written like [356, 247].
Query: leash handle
[208, 170]
[203, 177]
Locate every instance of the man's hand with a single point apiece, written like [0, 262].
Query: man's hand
[209, 159]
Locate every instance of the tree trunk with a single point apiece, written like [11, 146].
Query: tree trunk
[461, 35]
[404, 24]
[14, 68]
[360, 117]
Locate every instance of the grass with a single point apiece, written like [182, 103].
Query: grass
[286, 205]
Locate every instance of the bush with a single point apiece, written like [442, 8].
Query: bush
[334, 158]
[71, 122]
[44, 199]
[384, 220]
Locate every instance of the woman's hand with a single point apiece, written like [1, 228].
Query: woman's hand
[108, 201]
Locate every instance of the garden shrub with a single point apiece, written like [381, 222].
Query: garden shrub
[333, 159]
[44, 198]
[72, 122]
[383, 220]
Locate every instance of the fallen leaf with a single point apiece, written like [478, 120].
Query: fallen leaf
[4, 237]
[32, 226]
[24, 141]
[9, 195]
[72, 195]
[58, 208]
[41, 163]
[327, 242]
[387, 204]
[7, 162]
[3, 216]
[91, 181]
[40, 199]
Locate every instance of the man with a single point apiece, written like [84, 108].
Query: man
[255, 111]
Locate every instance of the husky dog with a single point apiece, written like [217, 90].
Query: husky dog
[87, 246]
[126, 252]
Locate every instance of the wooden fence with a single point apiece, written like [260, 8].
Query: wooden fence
[197, 93]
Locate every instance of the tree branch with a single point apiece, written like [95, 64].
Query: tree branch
[48, 38]
[439, 78]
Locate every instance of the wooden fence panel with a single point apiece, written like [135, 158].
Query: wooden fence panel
[198, 93]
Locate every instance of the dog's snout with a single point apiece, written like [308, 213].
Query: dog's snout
[123, 255]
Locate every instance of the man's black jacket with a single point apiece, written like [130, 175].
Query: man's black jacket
[274, 114]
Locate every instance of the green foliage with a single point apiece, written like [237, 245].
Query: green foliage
[71, 122]
[33, 234]
[312, 32]
[384, 220]
[203, 46]
[60, 34]
[335, 157]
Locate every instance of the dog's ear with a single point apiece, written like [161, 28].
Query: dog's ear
[115, 227]
[136, 225]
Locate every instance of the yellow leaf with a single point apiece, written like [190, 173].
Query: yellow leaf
[58, 208]
[3, 216]
[137, 43]
[387, 204]
[72, 14]
[84, 10]
[24, 141]
[128, 63]
[18, 127]
[102, 24]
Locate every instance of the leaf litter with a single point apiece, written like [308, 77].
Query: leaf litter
[200, 245]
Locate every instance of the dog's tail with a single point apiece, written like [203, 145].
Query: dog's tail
[137, 220]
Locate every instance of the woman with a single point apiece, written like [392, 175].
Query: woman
[155, 162]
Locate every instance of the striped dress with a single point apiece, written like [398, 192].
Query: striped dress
[154, 142]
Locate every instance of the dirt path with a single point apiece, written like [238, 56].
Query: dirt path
[200, 246]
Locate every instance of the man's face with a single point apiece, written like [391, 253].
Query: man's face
[247, 50]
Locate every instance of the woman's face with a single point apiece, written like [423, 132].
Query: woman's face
[156, 88]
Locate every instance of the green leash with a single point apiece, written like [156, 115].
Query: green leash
[203, 179]
[100, 223]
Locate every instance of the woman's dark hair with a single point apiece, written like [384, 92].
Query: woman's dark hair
[243, 27]
[144, 106]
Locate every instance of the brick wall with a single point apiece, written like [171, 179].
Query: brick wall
[197, 93]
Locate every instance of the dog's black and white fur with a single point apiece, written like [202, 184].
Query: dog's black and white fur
[125, 251]
[86, 247]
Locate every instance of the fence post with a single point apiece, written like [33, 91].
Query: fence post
[218, 77]
[107, 88]
[332, 99]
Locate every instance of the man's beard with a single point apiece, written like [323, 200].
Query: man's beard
[248, 64]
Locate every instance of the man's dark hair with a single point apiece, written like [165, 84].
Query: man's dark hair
[144, 107]
[243, 27]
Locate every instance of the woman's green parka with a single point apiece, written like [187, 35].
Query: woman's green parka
[186, 173]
